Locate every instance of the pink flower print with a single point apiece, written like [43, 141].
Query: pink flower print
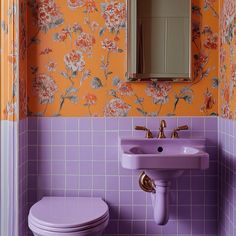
[114, 14]
[159, 91]
[125, 89]
[73, 4]
[85, 42]
[74, 61]
[117, 107]
[44, 87]
[47, 14]
[109, 45]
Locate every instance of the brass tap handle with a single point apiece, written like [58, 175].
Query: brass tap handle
[175, 133]
[184, 127]
[140, 128]
[161, 133]
[148, 134]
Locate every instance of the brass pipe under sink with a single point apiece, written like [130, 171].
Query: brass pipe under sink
[146, 183]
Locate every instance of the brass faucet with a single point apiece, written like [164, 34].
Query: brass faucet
[175, 132]
[148, 134]
[161, 133]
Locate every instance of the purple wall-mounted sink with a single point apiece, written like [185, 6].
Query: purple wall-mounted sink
[162, 160]
[163, 154]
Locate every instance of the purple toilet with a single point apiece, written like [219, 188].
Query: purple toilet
[73, 216]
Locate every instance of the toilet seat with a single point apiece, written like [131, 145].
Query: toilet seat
[58, 215]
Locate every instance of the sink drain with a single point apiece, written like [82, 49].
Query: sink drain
[160, 149]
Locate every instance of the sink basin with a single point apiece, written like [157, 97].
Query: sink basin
[162, 160]
[163, 154]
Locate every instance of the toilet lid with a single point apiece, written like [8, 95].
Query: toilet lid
[59, 212]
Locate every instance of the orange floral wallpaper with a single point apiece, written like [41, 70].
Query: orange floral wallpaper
[70, 60]
[77, 63]
[13, 81]
[227, 72]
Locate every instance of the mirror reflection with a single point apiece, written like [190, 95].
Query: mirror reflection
[160, 39]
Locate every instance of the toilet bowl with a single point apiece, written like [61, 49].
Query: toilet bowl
[73, 216]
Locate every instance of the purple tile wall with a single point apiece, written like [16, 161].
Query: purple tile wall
[80, 157]
[227, 182]
[23, 177]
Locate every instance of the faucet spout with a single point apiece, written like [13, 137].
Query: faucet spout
[161, 133]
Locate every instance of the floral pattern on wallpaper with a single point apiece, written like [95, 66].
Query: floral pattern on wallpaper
[77, 63]
[228, 59]
[13, 60]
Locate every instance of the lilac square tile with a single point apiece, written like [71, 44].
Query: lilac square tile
[211, 123]
[72, 168]
[72, 153]
[72, 138]
[58, 153]
[72, 182]
[185, 121]
[44, 138]
[32, 123]
[85, 153]
[171, 123]
[197, 213]
[44, 167]
[125, 123]
[197, 182]
[184, 227]
[44, 123]
[85, 182]
[44, 153]
[58, 123]
[112, 123]
[33, 137]
[139, 212]
[113, 183]
[98, 123]
[139, 121]
[72, 124]
[139, 227]
[58, 182]
[125, 227]
[85, 138]
[99, 182]
[197, 197]
[58, 168]
[111, 138]
[211, 182]
[171, 228]
[99, 138]
[125, 197]
[44, 182]
[211, 212]
[125, 182]
[86, 167]
[198, 123]
[58, 138]
[112, 198]
[153, 228]
[32, 167]
[184, 212]
[211, 228]
[85, 123]
[99, 153]
[212, 138]
[32, 152]
[99, 168]
[198, 227]
[184, 198]
[112, 153]
[126, 212]
[112, 167]
[139, 198]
